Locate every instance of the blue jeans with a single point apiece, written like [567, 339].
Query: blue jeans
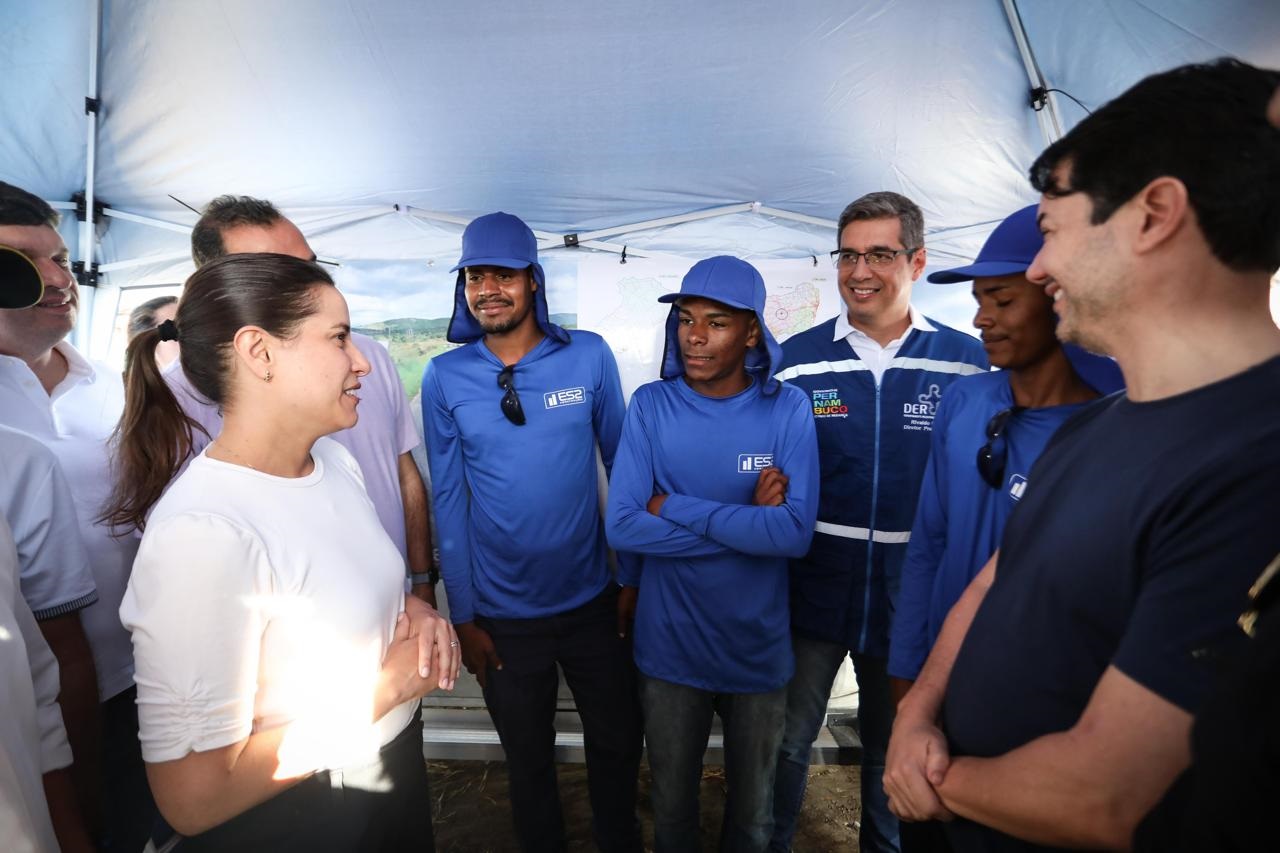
[677, 724]
[807, 696]
[522, 704]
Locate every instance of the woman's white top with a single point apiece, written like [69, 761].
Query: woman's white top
[257, 601]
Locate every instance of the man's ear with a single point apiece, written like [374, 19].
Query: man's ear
[253, 346]
[918, 260]
[1161, 208]
[753, 331]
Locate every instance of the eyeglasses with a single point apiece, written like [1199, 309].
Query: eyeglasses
[990, 460]
[511, 400]
[848, 259]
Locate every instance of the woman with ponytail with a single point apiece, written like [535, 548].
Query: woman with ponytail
[279, 662]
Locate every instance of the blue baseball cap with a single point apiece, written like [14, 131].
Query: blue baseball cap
[1010, 249]
[499, 240]
[730, 281]
[725, 279]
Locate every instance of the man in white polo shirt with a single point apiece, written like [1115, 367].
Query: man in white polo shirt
[37, 807]
[71, 405]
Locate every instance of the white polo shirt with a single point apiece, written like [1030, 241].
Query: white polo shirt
[76, 422]
[877, 357]
[32, 738]
[36, 501]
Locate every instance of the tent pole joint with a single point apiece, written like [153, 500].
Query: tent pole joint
[91, 106]
[85, 277]
[82, 207]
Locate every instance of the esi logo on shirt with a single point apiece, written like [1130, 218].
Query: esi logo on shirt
[1017, 486]
[564, 397]
[754, 463]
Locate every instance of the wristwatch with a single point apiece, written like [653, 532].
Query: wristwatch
[430, 576]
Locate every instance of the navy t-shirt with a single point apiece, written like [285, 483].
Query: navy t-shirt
[1136, 548]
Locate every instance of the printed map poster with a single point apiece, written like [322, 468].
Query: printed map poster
[620, 302]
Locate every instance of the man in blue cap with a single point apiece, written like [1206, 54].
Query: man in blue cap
[988, 431]
[716, 485]
[513, 421]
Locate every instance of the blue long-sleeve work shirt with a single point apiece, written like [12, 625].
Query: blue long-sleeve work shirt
[712, 610]
[517, 507]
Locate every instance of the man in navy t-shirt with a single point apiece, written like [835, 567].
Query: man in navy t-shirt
[1067, 679]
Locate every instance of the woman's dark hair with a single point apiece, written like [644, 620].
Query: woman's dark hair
[273, 292]
[143, 317]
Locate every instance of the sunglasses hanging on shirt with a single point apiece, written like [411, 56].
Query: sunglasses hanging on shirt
[993, 455]
[511, 400]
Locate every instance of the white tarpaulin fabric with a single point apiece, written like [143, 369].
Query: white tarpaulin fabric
[360, 118]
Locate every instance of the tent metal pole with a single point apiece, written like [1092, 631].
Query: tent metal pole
[794, 217]
[1050, 121]
[342, 220]
[549, 240]
[546, 239]
[87, 227]
[696, 215]
[167, 258]
[419, 213]
[147, 220]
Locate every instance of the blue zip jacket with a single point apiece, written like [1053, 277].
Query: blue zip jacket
[712, 612]
[873, 443]
[517, 507]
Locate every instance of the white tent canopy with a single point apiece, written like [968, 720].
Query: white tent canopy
[383, 127]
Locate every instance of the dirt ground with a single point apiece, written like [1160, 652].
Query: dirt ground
[472, 812]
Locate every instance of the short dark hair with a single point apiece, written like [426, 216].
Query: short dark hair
[223, 213]
[143, 317]
[1205, 125]
[887, 205]
[19, 207]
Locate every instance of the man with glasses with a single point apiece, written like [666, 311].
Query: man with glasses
[874, 375]
[513, 421]
[1072, 665]
[988, 432]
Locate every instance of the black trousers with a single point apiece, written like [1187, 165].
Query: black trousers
[129, 814]
[522, 703]
[382, 806]
[927, 837]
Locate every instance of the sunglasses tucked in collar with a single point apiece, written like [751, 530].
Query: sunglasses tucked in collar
[511, 400]
[993, 455]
